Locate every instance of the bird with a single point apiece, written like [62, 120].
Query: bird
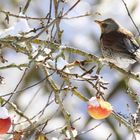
[118, 45]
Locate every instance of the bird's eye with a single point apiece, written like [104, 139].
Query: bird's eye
[104, 25]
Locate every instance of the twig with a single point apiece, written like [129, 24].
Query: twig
[22, 77]
[59, 101]
[20, 66]
[44, 29]
[71, 8]
[109, 136]
[26, 6]
[42, 18]
[18, 111]
[122, 120]
[93, 58]
[50, 12]
[131, 16]
[22, 17]
[84, 132]
[26, 88]
[76, 17]
[79, 95]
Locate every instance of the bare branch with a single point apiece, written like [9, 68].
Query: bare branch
[131, 17]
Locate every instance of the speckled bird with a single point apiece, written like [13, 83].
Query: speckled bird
[118, 45]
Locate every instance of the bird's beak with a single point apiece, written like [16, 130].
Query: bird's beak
[98, 22]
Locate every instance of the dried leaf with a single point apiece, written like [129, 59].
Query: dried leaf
[17, 135]
[41, 137]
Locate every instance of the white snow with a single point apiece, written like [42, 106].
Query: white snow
[3, 113]
[61, 63]
[19, 27]
[93, 101]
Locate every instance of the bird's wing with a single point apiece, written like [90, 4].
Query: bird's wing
[129, 40]
[120, 41]
[133, 48]
[131, 45]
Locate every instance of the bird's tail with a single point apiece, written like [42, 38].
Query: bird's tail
[137, 53]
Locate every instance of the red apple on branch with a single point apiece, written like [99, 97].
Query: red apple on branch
[98, 108]
[5, 121]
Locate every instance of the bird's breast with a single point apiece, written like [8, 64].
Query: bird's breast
[110, 39]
